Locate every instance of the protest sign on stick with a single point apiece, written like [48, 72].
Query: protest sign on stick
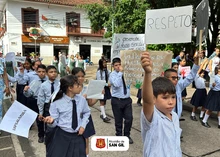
[18, 119]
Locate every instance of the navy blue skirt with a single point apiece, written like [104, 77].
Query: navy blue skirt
[90, 129]
[66, 144]
[213, 101]
[199, 97]
[139, 94]
[107, 94]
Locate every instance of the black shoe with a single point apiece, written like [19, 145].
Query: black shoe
[130, 140]
[139, 104]
[41, 140]
[193, 118]
[219, 126]
[106, 120]
[182, 119]
[205, 125]
[0, 132]
[101, 116]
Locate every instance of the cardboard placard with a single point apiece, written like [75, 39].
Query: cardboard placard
[133, 71]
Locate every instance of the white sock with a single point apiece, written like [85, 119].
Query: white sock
[205, 119]
[87, 155]
[218, 120]
[202, 113]
[193, 114]
[102, 108]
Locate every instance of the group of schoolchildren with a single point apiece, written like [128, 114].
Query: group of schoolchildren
[65, 123]
[64, 117]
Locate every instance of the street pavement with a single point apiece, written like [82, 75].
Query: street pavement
[197, 141]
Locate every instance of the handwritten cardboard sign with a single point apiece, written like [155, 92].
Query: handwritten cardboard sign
[133, 71]
[127, 42]
[171, 25]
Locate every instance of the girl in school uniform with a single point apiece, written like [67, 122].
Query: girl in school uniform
[103, 74]
[81, 63]
[199, 96]
[71, 63]
[55, 62]
[213, 99]
[69, 113]
[22, 83]
[90, 129]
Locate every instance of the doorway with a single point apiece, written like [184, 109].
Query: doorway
[61, 49]
[27, 49]
[85, 51]
[107, 52]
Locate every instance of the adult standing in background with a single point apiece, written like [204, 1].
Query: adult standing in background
[62, 62]
[81, 63]
[3, 81]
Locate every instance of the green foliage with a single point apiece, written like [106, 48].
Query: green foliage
[98, 15]
[129, 16]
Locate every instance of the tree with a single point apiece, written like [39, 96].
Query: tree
[128, 16]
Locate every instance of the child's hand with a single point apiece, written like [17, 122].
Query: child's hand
[146, 62]
[81, 131]
[48, 120]
[214, 84]
[26, 88]
[40, 117]
[85, 96]
[103, 91]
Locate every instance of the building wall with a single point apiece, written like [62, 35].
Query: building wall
[54, 26]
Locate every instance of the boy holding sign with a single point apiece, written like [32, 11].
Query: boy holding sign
[159, 124]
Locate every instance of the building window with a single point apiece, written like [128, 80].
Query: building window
[30, 18]
[73, 22]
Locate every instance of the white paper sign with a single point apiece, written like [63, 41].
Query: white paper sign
[10, 57]
[184, 71]
[127, 42]
[20, 59]
[18, 119]
[95, 88]
[34, 86]
[171, 25]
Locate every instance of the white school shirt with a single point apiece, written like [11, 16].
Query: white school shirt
[161, 137]
[199, 82]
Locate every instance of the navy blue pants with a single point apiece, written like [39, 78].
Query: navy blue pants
[122, 110]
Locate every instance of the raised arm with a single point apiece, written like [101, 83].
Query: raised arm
[147, 90]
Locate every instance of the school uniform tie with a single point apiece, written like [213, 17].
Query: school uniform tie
[74, 116]
[124, 85]
[52, 87]
[42, 80]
